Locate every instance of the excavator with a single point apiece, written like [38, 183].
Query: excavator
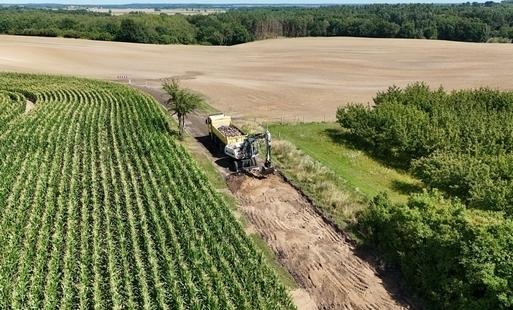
[244, 154]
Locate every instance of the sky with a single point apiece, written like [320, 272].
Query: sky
[104, 2]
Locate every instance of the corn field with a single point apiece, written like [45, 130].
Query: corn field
[101, 208]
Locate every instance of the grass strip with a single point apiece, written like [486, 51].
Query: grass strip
[324, 142]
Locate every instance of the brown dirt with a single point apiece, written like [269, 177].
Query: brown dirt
[293, 78]
[230, 131]
[320, 260]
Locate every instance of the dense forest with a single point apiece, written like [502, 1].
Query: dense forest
[454, 241]
[469, 22]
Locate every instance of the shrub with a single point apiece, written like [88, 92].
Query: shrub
[454, 257]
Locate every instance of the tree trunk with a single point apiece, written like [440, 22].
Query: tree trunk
[181, 124]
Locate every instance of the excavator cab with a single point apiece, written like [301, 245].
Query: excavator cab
[244, 154]
[251, 148]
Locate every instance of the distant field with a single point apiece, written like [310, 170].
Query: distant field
[304, 77]
[152, 11]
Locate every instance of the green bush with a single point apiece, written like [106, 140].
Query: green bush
[498, 40]
[458, 142]
[454, 257]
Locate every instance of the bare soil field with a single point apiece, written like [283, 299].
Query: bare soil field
[304, 77]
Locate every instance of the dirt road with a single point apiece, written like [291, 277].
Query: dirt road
[319, 258]
[330, 273]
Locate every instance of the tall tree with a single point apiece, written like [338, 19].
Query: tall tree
[181, 102]
[130, 31]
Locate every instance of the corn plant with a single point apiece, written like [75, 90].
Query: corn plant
[100, 208]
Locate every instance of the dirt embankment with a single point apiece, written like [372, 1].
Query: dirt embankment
[327, 268]
[320, 260]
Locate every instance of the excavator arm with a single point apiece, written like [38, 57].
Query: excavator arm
[267, 163]
[244, 154]
[249, 146]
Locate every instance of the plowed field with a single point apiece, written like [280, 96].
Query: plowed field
[290, 78]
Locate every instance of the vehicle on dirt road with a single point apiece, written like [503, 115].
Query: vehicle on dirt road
[242, 149]
[222, 131]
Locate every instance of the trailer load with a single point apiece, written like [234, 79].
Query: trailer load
[222, 131]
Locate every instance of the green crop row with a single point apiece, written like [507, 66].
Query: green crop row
[101, 208]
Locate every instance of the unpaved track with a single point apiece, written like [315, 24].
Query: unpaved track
[329, 272]
[319, 258]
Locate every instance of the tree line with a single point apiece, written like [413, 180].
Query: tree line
[454, 241]
[470, 22]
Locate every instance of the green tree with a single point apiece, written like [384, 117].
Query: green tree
[181, 102]
[455, 258]
[210, 35]
[130, 31]
[68, 23]
[236, 34]
[407, 30]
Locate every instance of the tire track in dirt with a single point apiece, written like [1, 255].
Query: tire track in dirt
[319, 259]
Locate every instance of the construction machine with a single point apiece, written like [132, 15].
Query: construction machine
[222, 131]
[242, 149]
[244, 154]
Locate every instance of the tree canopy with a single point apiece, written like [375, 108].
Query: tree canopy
[454, 241]
[181, 102]
[470, 22]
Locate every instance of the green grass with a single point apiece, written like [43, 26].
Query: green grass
[321, 141]
[207, 108]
